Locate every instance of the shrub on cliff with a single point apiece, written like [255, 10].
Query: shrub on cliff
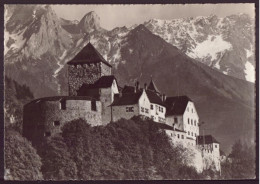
[21, 160]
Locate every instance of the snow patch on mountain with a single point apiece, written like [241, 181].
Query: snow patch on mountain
[210, 47]
[250, 72]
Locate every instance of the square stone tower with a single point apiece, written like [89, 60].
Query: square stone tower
[86, 68]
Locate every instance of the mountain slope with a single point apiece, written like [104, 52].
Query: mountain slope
[225, 44]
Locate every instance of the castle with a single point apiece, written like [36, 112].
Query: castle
[94, 95]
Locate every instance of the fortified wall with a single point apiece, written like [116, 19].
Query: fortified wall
[46, 116]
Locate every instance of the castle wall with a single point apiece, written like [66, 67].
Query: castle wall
[190, 121]
[124, 111]
[80, 74]
[179, 123]
[177, 137]
[106, 100]
[105, 70]
[47, 117]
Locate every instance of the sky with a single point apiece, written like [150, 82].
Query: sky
[112, 16]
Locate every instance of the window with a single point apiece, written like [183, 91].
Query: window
[142, 109]
[56, 123]
[152, 117]
[146, 110]
[129, 109]
[171, 134]
[151, 106]
[188, 109]
[175, 120]
[63, 104]
[162, 109]
[191, 122]
[192, 133]
[178, 136]
[188, 132]
[93, 105]
[194, 122]
[47, 134]
[216, 146]
[182, 136]
[188, 120]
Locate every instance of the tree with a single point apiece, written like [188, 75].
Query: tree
[21, 160]
[56, 160]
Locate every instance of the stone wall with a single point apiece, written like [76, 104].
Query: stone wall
[46, 118]
[124, 111]
[82, 74]
[105, 70]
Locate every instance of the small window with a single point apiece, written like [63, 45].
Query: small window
[188, 132]
[175, 120]
[171, 134]
[162, 109]
[182, 136]
[47, 134]
[152, 117]
[142, 109]
[216, 146]
[63, 104]
[56, 123]
[93, 105]
[188, 109]
[178, 136]
[192, 133]
[146, 110]
[192, 110]
[151, 106]
[194, 122]
[191, 122]
[188, 120]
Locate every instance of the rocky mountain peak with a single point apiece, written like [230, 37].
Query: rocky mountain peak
[90, 22]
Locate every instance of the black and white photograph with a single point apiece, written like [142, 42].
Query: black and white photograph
[130, 92]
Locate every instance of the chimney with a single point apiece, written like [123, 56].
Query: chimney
[145, 86]
[136, 86]
[163, 97]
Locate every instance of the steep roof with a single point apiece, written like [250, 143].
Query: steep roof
[88, 55]
[154, 98]
[130, 89]
[152, 86]
[209, 139]
[176, 105]
[102, 82]
[127, 99]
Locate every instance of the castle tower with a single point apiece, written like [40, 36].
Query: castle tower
[86, 68]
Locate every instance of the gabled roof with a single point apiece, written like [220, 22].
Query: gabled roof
[130, 89]
[102, 82]
[176, 105]
[208, 139]
[152, 87]
[127, 99]
[88, 55]
[154, 98]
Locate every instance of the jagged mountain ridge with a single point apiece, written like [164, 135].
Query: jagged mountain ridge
[135, 53]
[225, 44]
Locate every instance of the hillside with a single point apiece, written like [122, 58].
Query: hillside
[38, 50]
